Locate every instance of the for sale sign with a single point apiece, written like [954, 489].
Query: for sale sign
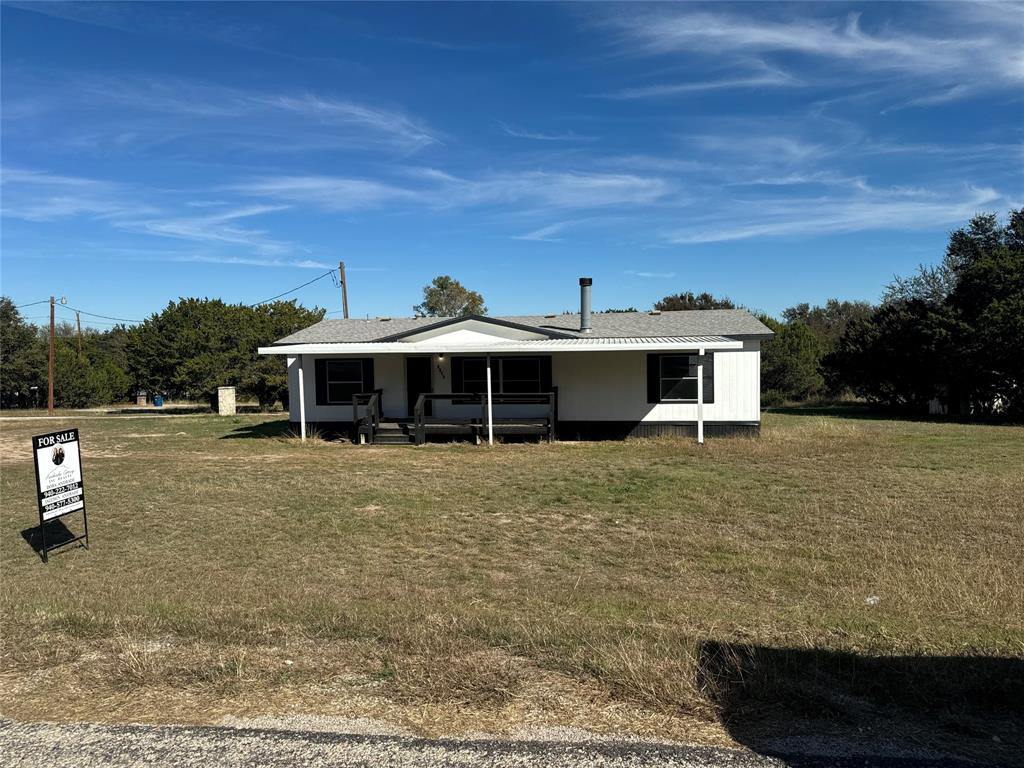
[58, 474]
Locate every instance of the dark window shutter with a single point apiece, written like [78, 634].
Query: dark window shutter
[709, 377]
[320, 374]
[545, 374]
[367, 374]
[457, 374]
[654, 378]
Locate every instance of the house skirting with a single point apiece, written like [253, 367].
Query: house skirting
[592, 430]
[620, 430]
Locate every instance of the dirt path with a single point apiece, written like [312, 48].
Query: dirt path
[80, 745]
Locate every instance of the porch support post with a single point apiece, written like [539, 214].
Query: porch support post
[490, 406]
[302, 399]
[700, 396]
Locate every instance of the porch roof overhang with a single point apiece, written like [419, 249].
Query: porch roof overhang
[542, 346]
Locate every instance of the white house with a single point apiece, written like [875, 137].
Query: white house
[569, 376]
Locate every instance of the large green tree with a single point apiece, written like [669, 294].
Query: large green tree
[987, 299]
[447, 297]
[829, 322]
[265, 377]
[195, 346]
[22, 358]
[690, 300]
[953, 331]
[826, 324]
[896, 355]
[790, 362]
[86, 373]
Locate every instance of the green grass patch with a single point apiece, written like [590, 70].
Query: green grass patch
[461, 576]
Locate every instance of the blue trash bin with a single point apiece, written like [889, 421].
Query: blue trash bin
[158, 401]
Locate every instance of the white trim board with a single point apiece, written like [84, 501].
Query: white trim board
[535, 346]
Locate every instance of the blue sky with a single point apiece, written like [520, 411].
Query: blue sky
[774, 153]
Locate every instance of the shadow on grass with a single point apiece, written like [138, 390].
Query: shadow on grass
[276, 428]
[874, 412]
[187, 410]
[787, 702]
[57, 535]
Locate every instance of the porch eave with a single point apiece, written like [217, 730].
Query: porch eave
[536, 346]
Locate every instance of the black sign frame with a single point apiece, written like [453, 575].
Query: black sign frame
[69, 435]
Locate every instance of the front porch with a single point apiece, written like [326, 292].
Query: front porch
[477, 379]
[509, 414]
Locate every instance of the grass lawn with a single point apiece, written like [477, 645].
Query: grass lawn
[652, 586]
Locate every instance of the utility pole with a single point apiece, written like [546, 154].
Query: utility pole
[49, 406]
[344, 289]
[78, 322]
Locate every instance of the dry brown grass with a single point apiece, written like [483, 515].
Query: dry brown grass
[642, 586]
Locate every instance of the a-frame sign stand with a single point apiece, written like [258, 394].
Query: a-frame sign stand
[58, 462]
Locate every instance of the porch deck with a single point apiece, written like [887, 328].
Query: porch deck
[403, 431]
[372, 428]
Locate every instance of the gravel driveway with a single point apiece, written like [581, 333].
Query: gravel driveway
[81, 745]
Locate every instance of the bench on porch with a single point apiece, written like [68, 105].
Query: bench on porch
[371, 428]
[477, 426]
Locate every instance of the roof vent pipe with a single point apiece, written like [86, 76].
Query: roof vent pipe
[585, 283]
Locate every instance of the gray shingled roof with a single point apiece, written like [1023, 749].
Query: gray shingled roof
[613, 325]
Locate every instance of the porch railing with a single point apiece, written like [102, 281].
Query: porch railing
[369, 422]
[421, 421]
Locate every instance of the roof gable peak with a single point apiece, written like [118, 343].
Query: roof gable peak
[480, 325]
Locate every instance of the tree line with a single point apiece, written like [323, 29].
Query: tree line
[184, 352]
[951, 333]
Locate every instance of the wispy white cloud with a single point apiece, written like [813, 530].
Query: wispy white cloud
[972, 52]
[250, 261]
[544, 234]
[398, 127]
[796, 179]
[559, 189]
[434, 188]
[521, 133]
[185, 21]
[217, 228]
[661, 164]
[766, 148]
[649, 275]
[759, 75]
[953, 93]
[187, 109]
[675, 89]
[40, 196]
[331, 193]
[865, 209]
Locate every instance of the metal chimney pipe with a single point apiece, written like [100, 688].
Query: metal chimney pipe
[585, 283]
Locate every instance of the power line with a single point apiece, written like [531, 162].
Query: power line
[105, 317]
[293, 290]
[76, 309]
[128, 320]
[65, 319]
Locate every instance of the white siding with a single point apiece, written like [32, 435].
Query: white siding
[388, 375]
[612, 386]
[592, 386]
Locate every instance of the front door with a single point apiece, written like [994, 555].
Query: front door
[417, 381]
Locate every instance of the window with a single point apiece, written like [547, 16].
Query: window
[678, 377]
[474, 375]
[673, 378]
[344, 379]
[508, 374]
[519, 374]
[338, 380]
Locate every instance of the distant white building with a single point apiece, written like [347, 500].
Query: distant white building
[570, 376]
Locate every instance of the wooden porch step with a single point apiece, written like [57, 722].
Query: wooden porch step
[393, 438]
